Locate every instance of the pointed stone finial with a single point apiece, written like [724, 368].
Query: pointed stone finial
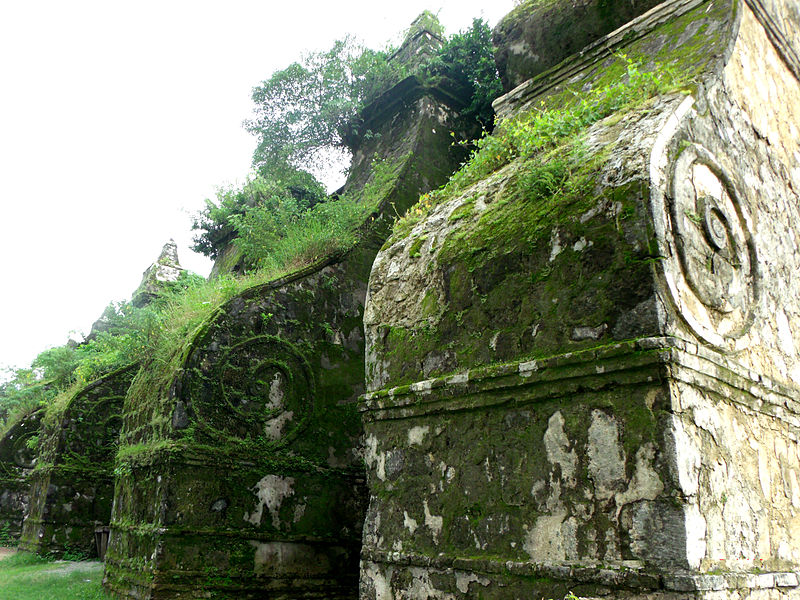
[426, 22]
[166, 269]
[169, 254]
[424, 37]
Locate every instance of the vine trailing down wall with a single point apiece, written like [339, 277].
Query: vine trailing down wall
[591, 381]
[72, 483]
[239, 471]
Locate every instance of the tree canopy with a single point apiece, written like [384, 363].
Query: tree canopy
[300, 113]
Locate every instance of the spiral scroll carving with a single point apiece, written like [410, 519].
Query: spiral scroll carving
[23, 455]
[267, 389]
[714, 281]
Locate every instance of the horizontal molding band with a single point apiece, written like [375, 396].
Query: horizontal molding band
[176, 533]
[598, 50]
[60, 524]
[179, 457]
[635, 362]
[633, 577]
[328, 588]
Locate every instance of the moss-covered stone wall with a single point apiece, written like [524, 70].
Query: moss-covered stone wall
[257, 465]
[71, 486]
[239, 470]
[17, 459]
[725, 200]
[601, 483]
[574, 432]
[587, 384]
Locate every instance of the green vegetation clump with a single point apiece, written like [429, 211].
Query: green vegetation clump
[129, 333]
[468, 59]
[287, 193]
[535, 134]
[7, 540]
[277, 232]
[21, 394]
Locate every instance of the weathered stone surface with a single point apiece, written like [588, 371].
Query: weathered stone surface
[781, 22]
[71, 487]
[540, 34]
[480, 299]
[17, 458]
[595, 491]
[744, 166]
[509, 422]
[230, 260]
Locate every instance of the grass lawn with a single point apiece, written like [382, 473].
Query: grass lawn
[26, 576]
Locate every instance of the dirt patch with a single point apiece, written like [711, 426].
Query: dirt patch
[64, 567]
[6, 552]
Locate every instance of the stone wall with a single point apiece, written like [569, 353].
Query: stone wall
[254, 484]
[17, 459]
[587, 490]
[538, 35]
[71, 487]
[592, 389]
[240, 472]
[578, 371]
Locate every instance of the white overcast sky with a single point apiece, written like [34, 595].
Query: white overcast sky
[118, 118]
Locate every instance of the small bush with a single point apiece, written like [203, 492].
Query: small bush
[6, 539]
[467, 57]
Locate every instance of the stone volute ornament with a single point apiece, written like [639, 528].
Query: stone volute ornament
[714, 246]
[705, 236]
[268, 388]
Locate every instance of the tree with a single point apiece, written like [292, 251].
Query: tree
[58, 364]
[301, 113]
